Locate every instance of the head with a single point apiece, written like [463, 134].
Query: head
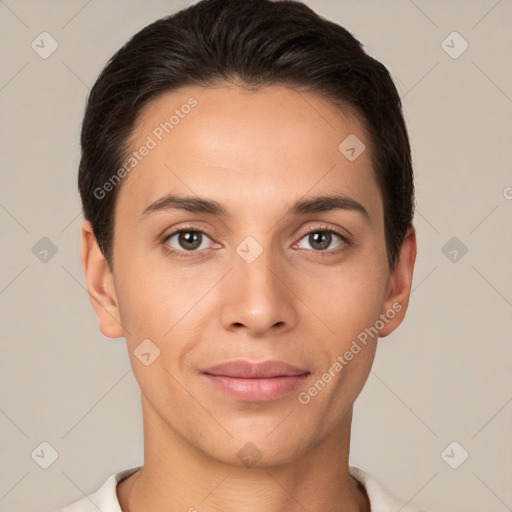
[253, 110]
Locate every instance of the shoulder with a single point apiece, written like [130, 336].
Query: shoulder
[105, 498]
[381, 500]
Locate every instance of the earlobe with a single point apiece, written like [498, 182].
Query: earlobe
[400, 283]
[100, 284]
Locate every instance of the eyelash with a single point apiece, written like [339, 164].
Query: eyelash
[319, 229]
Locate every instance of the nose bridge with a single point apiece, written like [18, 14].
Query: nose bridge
[255, 265]
[256, 294]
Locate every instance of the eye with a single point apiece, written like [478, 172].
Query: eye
[321, 238]
[186, 241]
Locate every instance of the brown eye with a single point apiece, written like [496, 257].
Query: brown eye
[187, 240]
[321, 240]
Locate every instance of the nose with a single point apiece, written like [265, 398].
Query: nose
[258, 296]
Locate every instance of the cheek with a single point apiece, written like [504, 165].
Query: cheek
[149, 308]
[161, 305]
[353, 297]
[350, 306]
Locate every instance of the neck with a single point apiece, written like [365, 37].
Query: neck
[176, 476]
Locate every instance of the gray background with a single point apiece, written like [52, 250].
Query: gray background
[443, 376]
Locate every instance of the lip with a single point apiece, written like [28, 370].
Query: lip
[256, 381]
[255, 370]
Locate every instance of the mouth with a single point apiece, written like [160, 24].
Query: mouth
[256, 381]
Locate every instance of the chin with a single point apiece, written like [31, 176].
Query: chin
[255, 450]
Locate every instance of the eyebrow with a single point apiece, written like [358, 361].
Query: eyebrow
[196, 204]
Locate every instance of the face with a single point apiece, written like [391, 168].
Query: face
[271, 248]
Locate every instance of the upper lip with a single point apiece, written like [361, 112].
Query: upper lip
[254, 370]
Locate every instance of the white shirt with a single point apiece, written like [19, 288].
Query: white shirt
[105, 498]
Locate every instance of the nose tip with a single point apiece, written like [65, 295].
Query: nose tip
[257, 299]
[278, 324]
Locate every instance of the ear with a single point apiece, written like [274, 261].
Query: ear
[399, 288]
[100, 284]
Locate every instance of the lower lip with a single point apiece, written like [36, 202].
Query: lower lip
[257, 390]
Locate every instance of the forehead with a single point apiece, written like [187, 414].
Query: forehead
[276, 144]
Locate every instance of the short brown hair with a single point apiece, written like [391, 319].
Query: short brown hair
[251, 43]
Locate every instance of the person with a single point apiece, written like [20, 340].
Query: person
[248, 198]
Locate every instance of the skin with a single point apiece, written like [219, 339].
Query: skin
[256, 153]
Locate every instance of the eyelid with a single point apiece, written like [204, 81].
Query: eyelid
[181, 229]
[324, 227]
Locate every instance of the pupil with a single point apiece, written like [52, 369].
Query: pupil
[323, 238]
[189, 239]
